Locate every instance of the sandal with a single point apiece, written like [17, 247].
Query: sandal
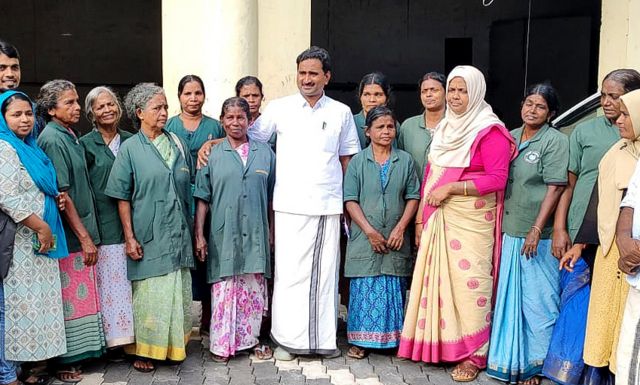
[34, 377]
[69, 375]
[220, 359]
[535, 380]
[356, 352]
[465, 372]
[263, 352]
[143, 366]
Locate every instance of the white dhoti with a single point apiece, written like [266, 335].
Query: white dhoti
[305, 290]
[628, 355]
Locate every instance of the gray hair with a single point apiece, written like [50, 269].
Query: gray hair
[628, 78]
[49, 94]
[91, 98]
[138, 97]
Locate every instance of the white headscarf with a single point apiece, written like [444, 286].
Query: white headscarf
[455, 134]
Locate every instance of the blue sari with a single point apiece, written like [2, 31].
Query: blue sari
[527, 306]
[564, 363]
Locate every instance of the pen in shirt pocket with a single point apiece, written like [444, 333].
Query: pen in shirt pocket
[324, 125]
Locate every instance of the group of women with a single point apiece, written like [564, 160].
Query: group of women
[506, 239]
[517, 260]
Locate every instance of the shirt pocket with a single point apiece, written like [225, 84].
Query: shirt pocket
[143, 226]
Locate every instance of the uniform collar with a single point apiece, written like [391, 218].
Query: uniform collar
[368, 151]
[537, 136]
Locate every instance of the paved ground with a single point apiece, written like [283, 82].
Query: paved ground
[245, 369]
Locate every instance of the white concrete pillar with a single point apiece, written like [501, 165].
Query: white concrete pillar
[215, 39]
[285, 31]
[619, 36]
[224, 40]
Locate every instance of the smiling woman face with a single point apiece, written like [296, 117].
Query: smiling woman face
[19, 117]
[105, 110]
[457, 96]
[235, 122]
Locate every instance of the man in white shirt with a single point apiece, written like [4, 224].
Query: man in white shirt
[316, 137]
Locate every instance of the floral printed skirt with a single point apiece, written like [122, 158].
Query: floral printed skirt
[237, 306]
[114, 290]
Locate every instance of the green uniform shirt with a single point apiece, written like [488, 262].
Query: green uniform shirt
[414, 138]
[99, 161]
[160, 199]
[383, 208]
[208, 129]
[541, 161]
[67, 155]
[588, 143]
[238, 198]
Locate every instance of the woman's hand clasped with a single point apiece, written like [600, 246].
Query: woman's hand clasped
[560, 243]
[89, 250]
[439, 195]
[378, 243]
[133, 249]
[45, 238]
[396, 238]
[530, 246]
[201, 248]
[570, 258]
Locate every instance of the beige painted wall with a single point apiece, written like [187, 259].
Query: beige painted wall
[619, 36]
[223, 40]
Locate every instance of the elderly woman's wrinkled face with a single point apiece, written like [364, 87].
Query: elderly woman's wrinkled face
[235, 122]
[252, 94]
[432, 95]
[382, 131]
[372, 96]
[610, 98]
[457, 95]
[624, 123]
[155, 113]
[192, 98]
[105, 110]
[67, 109]
[19, 118]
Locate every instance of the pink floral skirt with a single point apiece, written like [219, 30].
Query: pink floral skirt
[237, 306]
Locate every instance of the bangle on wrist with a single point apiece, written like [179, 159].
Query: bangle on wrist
[464, 188]
[536, 228]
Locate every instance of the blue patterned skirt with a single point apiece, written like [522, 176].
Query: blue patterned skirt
[376, 311]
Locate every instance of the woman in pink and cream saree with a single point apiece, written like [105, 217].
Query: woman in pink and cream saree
[458, 225]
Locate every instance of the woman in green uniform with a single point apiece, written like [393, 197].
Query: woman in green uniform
[381, 193]
[195, 128]
[58, 104]
[374, 90]
[151, 178]
[101, 146]
[582, 258]
[414, 135]
[236, 186]
[528, 291]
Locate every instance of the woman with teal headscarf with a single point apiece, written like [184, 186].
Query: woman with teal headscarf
[31, 315]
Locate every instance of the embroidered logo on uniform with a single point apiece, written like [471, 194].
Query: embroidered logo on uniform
[532, 157]
[262, 172]
[186, 169]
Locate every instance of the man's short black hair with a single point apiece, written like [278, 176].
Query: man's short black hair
[314, 52]
[9, 49]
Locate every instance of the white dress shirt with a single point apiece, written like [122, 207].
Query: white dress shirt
[310, 142]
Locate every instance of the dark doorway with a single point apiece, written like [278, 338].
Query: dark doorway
[457, 51]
